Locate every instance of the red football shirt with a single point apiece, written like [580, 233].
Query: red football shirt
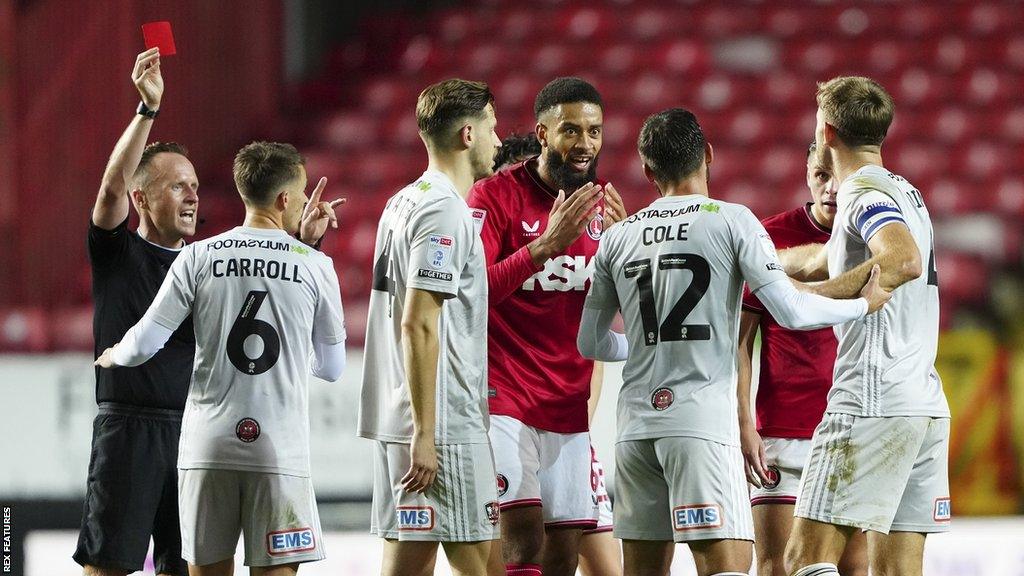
[535, 373]
[796, 366]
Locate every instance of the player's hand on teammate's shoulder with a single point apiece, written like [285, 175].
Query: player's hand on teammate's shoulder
[614, 207]
[106, 359]
[567, 221]
[147, 78]
[423, 465]
[755, 461]
[873, 292]
[318, 215]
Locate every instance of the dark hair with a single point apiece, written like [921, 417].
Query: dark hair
[565, 90]
[858, 108]
[671, 143]
[440, 106]
[516, 148]
[262, 168]
[149, 152]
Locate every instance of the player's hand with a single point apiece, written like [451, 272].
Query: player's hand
[567, 221]
[614, 208]
[147, 79]
[105, 360]
[755, 461]
[423, 468]
[317, 215]
[873, 292]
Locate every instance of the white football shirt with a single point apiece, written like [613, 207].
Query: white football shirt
[676, 269]
[258, 298]
[427, 239]
[885, 364]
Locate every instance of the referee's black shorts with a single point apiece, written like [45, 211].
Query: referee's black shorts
[132, 491]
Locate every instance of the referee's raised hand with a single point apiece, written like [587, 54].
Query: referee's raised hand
[318, 214]
[147, 79]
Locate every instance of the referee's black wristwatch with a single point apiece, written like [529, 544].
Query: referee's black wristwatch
[144, 110]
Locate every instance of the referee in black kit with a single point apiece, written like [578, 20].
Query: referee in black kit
[132, 490]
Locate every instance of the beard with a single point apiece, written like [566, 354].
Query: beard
[565, 176]
[482, 167]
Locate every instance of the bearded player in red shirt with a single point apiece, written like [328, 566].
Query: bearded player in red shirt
[796, 374]
[539, 240]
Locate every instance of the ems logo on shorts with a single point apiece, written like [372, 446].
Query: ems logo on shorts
[502, 485]
[774, 477]
[440, 250]
[595, 227]
[290, 541]
[493, 512]
[662, 398]
[696, 517]
[415, 518]
[247, 430]
[943, 510]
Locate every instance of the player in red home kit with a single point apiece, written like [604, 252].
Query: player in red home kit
[542, 220]
[796, 373]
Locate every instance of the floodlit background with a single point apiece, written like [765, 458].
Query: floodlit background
[340, 79]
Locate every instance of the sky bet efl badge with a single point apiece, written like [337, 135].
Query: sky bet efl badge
[439, 250]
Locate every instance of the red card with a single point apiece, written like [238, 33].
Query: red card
[158, 35]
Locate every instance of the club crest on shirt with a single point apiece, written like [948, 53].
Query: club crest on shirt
[531, 229]
[247, 430]
[415, 518]
[696, 517]
[493, 512]
[774, 477]
[290, 541]
[662, 398]
[595, 227]
[502, 485]
[439, 250]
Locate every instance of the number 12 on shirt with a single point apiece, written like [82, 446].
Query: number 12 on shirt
[672, 329]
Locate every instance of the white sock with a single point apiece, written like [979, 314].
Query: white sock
[820, 569]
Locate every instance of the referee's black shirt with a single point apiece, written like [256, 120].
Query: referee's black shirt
[126, 274]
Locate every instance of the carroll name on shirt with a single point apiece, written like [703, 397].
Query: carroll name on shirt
[256, 268]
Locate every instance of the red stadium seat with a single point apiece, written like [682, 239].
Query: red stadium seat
[23, 330]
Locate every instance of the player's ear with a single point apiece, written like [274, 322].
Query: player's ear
[830, 134]
[709, 153]
[281, 201]
[466, 136]
[648, 173]
[138, 198]
[542, 134]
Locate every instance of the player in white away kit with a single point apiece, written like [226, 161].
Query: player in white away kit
[267, 313]
[424, 394]
[676, 270]
[878, 459]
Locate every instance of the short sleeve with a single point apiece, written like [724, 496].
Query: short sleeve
[173, 302]
[602, 294]
[869, 211]
[758, 261]
[438, 246]
[329, 317]
[106, 246]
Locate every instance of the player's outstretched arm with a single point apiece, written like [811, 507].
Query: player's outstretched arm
[111, 206]
[807, 263]
[596, 385]
[755, 459]
[795, 307]
[139, 344]
[893, 250]
[420, 344]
